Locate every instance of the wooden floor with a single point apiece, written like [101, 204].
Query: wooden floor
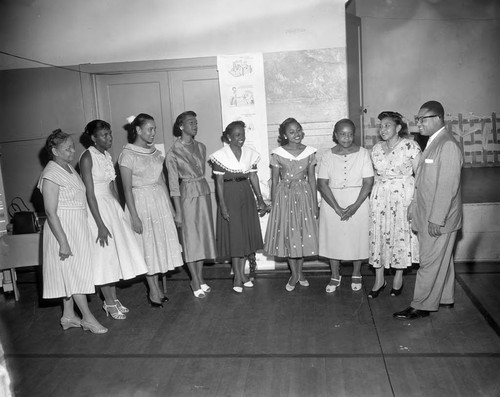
[265, 342]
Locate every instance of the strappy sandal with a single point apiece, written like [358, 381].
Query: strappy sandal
[356, 286]
[332, 288]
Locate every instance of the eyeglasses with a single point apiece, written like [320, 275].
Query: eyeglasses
[422, 118]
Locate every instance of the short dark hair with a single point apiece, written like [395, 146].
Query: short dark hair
[179, 120]
[435, 107]
[55, 139]
[230, 127]
[282, 138]
[397, 118]
[344, 121]
[95, 126]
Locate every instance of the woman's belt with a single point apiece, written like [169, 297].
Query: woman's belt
[196, 179]
[153, 185]
[238, 179]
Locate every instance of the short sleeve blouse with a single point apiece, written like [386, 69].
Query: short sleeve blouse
[344, 171]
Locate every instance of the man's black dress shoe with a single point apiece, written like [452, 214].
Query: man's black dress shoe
[447, 305]
[410, 314]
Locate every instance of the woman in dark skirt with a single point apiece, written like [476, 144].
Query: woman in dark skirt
[238, 227]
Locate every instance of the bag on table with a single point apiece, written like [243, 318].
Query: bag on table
[23, 220]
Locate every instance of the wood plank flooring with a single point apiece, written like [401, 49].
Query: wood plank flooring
[264, 342]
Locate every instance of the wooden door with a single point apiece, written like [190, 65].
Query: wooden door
[122, 95]
[354, 75]
[164, 95]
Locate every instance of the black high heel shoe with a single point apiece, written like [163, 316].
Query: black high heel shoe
[153, 303]
[373, 294]
[397, 292]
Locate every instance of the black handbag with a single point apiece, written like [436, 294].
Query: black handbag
[23, 220]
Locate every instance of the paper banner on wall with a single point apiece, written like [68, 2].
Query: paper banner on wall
[243, 97]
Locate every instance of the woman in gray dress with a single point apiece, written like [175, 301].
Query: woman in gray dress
[190, 192]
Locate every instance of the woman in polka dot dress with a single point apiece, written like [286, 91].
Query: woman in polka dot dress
[292, 230]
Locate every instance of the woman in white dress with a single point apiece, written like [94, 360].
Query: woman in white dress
[345, 179]
[116, 254]
[67, 242]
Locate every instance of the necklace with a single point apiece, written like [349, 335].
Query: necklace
[395, 144]
[187, 143]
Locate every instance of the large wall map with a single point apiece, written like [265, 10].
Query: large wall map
[309, 85]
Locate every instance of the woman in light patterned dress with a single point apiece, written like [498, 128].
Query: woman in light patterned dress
[392, 242]
[116, 255]
[67, 241]
[345, 179]
[292, 229]
[149, 208]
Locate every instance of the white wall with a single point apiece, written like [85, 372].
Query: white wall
[71, 32]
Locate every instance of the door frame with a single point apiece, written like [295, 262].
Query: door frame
[355, 100]
[88, 73]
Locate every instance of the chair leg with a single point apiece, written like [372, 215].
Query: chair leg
[14, 283]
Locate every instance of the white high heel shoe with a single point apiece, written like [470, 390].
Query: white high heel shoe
[199, 293]
[356, 286]
[94, 328]
[114, 312]
[333, 288]
[122, 308]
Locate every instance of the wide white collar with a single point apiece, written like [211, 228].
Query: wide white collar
[227, 160]
[305, 153]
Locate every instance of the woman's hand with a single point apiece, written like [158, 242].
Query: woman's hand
[261, 206]
[224, 213]
[102, 235]
[349, 212]
[65, 252]
[178, 219]
[339, 211]
[263, 209]
[316, 211]
[137, 225]
[409, 212]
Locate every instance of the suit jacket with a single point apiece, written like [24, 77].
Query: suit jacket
[438, 196]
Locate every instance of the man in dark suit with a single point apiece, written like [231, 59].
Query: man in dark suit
[435, 214]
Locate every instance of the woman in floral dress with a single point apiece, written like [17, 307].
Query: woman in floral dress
[392, 242]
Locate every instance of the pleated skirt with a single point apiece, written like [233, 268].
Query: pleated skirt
[241, 235]
[121, 258]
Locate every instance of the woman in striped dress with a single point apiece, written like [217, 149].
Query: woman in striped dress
[67, 242]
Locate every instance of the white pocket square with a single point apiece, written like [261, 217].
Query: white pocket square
[429, 161]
